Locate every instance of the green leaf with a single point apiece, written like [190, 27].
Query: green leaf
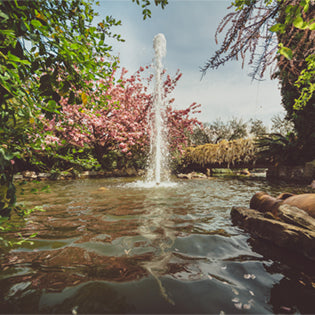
[51, 104]
[312, 27]
[12, 57]
[36, 23]
[277, 28]
[299, 23]
[285, 51]
[306, 7]
[4, 16]
[25, 26]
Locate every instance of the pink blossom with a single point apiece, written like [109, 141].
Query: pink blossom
[117, 117]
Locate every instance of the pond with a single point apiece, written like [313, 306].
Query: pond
[112, 246]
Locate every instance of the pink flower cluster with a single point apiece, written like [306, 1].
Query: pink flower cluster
[113, 115]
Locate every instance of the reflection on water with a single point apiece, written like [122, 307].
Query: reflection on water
[112, 246]
[157, 226]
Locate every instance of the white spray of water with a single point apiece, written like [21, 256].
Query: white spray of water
[158, 162]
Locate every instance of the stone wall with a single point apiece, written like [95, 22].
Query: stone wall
[304, 173]
[31, 175]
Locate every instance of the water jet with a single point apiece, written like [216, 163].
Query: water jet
[158, 170]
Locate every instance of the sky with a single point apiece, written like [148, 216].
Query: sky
[189, 27]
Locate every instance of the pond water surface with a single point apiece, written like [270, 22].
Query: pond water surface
[111, 246]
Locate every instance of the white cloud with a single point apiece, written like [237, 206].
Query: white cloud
[229, 97]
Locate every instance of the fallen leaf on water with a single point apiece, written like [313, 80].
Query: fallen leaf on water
[13, 259]
[251, 293]
[235, 291]
[75, 310]
[249, 276]
[246, 306]
[238, 305]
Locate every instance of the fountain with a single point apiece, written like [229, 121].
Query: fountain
[158, 159]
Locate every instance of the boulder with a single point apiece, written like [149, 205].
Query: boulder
[29, 175]
[305, 202]
[293, 215]
[312, 185]
[184, 176]
[18, 177]
[298, 237]
[193, 175]
[43, 176]
[263, 202]
[245, 172]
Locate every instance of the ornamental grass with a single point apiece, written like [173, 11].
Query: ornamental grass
[223, 153]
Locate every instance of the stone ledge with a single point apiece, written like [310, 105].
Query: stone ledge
[302, 173]
[31, 175]
[268, 227]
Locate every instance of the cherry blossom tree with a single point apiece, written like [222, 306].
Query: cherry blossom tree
[113, 117]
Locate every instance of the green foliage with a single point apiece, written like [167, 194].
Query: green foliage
[218, 130]
[280, 149]
[285, 51]
[47, 49]
[254, 28]
[292, 23]
[146, 3]
[306, 83]
[8, 225]
[257, 128]
[54, 46]
[281, 125]
[59, 159]
[7, 189]
[294, 16]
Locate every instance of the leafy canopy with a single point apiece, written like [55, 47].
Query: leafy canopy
[48, 49]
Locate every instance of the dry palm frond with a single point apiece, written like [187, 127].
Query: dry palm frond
[222, 153]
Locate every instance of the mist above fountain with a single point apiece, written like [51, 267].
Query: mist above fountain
[158, 170]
